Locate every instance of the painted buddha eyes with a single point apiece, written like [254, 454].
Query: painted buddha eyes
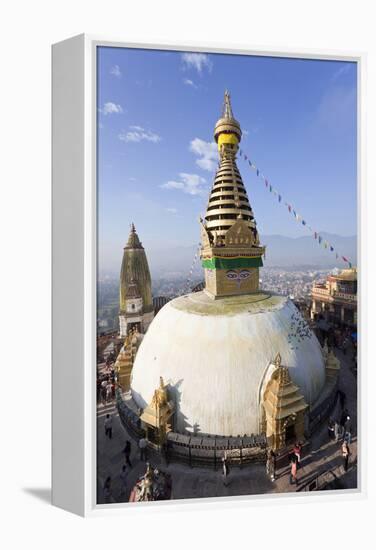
[238, 276]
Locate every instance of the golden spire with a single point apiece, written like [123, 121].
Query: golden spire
[228, 201]
[230, 241]
[227, 129]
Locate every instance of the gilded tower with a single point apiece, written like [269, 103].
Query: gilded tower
[231, 253]
[136, 302]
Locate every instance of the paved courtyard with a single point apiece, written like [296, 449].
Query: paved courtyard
[324, 456]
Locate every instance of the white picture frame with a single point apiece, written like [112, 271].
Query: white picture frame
[74, 272]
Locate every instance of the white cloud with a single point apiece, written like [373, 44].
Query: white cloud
[190, 82]
[198, 61]
[192, 184]
[115, 70]
[136, 134]
[172, 210]
[341, 71]
[208, 153]
[110, 108]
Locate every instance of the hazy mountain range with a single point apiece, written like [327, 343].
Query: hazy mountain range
[280, 252]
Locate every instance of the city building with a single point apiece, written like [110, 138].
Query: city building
[136, 303]
[335, 300]
[232, 360]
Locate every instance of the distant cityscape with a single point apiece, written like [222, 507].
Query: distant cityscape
[294, 282]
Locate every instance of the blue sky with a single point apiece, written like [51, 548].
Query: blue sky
[156, 158]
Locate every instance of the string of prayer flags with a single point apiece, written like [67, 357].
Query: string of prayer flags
[297, 216]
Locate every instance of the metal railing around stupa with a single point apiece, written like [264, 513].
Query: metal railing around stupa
[209, 450]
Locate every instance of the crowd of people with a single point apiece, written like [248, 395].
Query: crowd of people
[106, 382]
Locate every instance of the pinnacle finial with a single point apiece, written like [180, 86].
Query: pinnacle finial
[227, 110]
[133, 229]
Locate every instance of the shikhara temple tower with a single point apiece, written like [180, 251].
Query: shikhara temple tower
[136, 302]
[231, 253]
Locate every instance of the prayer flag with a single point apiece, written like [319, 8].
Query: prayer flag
[315, 235]
[279, 198]
[289, 207]
[345, 259]
[331, 249]
[320, 239]
[303, 222]
[258, 172]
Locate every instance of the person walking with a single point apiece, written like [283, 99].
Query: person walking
[345, 455]
[108, 426]
[127, 453]
[293, 469]
[142, 444]
[298, 451]
[123, 480]
[225, 470]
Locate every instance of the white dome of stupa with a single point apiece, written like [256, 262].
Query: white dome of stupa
[217, 355]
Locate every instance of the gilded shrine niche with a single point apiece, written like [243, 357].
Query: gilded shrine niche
[157, 417]
[282, 409]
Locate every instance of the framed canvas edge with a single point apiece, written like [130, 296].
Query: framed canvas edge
[90, 269]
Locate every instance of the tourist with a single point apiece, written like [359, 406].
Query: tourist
[107, 493]
[271, 464]
[123, 480]
[225, 470]
[345, 455]
[108, 426]
[298, 451]
[294, 468]
[127, 453]
[142, 444]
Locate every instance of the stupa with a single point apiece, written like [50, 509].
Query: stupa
[220, 350]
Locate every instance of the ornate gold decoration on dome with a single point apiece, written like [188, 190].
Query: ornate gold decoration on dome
[160, 397]
[160, 410]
